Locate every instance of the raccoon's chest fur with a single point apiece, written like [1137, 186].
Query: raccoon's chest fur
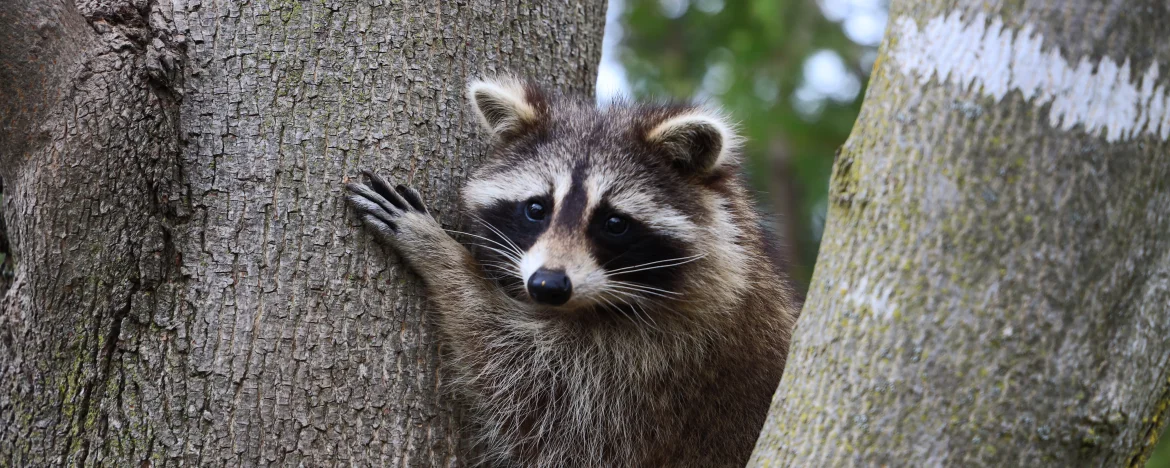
[652, 399]
[580, 405]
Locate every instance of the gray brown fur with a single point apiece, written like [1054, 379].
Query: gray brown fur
[677, 370]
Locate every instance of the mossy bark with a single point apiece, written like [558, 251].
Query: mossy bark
[189, 287]
[993, 283]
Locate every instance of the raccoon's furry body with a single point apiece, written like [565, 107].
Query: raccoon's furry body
[617, 307]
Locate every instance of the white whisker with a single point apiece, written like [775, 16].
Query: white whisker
[499, 233]
[505, 270]
[636, 306]
[510, 248]
[673, 262]
[636, 316]
[495, 230]
[615, 307]
[501, 263]
[643, 288]
[506, 254]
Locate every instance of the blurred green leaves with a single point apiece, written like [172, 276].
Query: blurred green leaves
[749, 56]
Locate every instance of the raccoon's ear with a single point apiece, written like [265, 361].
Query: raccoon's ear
[506, 106]
[697, 142]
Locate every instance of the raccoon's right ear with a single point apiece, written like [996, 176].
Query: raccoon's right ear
[506, 106]
[698, 141]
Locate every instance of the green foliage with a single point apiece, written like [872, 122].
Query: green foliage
[751, 56]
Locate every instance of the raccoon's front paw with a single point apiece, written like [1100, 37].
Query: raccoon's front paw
[396, 214]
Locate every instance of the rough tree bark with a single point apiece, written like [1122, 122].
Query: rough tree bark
[189, 287]
[993, 282]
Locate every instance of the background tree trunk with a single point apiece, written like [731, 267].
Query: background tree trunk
[189, 286]
[993, 283]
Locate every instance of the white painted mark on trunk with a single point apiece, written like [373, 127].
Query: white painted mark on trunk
[998, 60]
[876, 298]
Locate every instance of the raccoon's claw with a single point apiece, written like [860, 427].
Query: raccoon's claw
[387, 209]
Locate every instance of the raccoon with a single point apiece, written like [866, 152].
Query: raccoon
[614, 304]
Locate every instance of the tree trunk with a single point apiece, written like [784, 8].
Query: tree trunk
[993, 282]
[189, 287]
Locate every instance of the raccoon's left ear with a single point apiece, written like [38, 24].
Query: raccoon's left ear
[698, 142]
[507, 106]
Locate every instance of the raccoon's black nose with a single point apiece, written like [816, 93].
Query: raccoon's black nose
[550, 287]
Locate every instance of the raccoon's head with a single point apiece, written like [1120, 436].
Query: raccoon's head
[620, 210]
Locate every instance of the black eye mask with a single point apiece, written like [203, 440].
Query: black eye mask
[638, 254]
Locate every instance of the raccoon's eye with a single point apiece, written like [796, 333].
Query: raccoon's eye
[616, 225]
[534, 211]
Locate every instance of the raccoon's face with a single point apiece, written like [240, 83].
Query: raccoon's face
[608, 210]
